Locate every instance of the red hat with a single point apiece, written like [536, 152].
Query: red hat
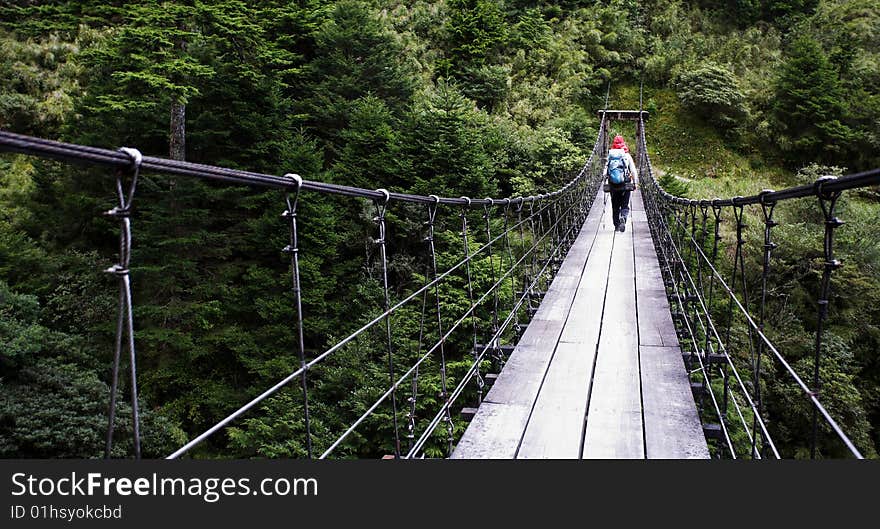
[619, 143]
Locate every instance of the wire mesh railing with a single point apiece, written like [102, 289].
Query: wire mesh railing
[730, 373]
[521, 240]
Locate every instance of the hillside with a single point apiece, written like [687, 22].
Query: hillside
[451, 97]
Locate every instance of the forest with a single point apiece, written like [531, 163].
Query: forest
[477, 98]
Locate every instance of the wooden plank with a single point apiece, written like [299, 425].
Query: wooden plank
[557, 301]
[672, 425]
[556, 425]
[494, 433]
[655, 322]
[587, 307]
[555, 428]
[498, 426]
[614, 419]
[654, 319]
[580, 249]
[647, 266]
[638, 215]
[520, 379]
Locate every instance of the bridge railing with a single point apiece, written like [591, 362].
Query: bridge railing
[531, 237]
[730, 374]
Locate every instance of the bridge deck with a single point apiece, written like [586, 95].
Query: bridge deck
[598, 373]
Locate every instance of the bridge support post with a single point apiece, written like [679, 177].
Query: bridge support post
[767, 208]
[381, 208]
[603, 142]
[293, 249]
[638, 160]
[478, 377]
[124, 322]
[827, 201]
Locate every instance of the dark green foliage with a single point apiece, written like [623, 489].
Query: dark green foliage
[448, 147]
[789, 9]
[486, 84]
[477, 32]
[673, 185]
[710, 90]
[65, 17]
[845, 29]
[373, 155]
[36, 84]
[809, 106]
[354, 56]
[475, 98]
[52, 402]
[745, 12]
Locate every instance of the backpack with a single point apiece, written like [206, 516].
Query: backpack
[618, 172]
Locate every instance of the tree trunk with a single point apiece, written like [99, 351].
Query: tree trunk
[177, 141]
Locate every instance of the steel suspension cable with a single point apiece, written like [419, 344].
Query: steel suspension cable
[445, 410]
[68, 152]
[827, 189]
[318, 359]
[547, 241]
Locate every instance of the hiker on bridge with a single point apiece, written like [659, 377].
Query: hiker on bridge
[622, 175]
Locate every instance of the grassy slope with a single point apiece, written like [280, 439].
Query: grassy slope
[683, 144]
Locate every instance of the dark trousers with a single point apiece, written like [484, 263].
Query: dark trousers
[619, 206]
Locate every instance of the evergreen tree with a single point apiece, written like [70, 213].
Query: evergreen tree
[355, 55]
[789, 9]
[809, 106]
[37, 84]
[372, 155]
[477, 32]
[52, 401]
[449, 153]
[145, 74]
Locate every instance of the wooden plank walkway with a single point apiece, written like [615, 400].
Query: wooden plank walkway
[598, 373]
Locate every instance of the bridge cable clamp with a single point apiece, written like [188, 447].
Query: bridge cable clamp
[490, 203]
[292, 206]
[136, 159]
[763, 196]
[386, 196]
[381, 206]
[820, 183]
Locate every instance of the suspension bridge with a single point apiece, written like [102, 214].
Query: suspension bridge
[586, 342]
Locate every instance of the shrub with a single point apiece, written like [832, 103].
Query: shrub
[711, 90]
